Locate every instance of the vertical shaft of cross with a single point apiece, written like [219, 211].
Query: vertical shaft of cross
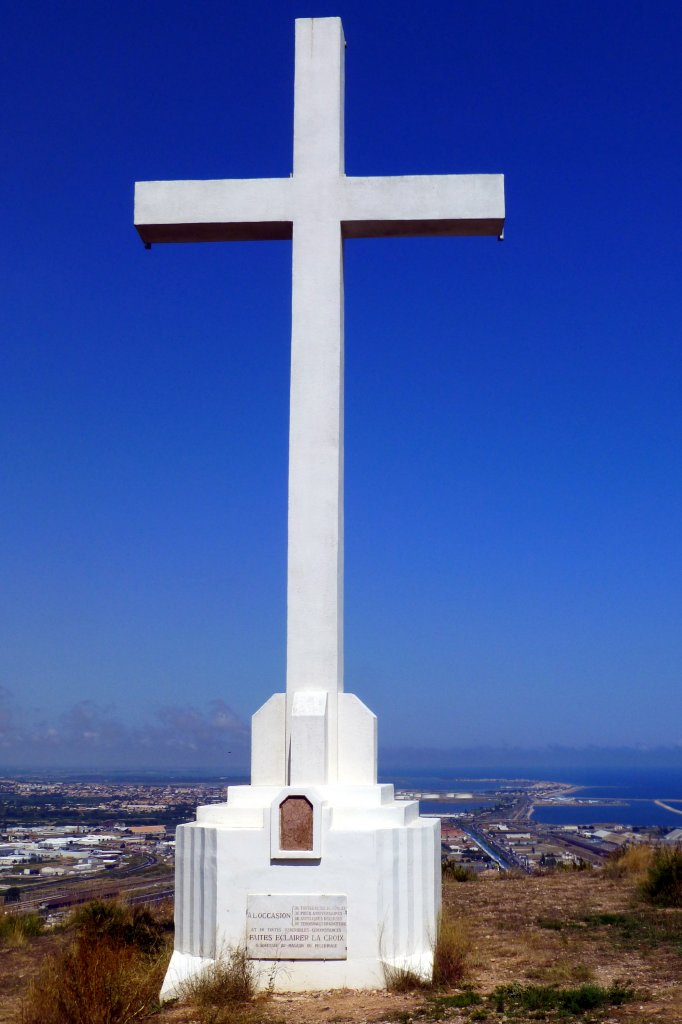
[315, 560]
[314, 733]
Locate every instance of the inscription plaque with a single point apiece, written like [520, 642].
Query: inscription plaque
[296, 927]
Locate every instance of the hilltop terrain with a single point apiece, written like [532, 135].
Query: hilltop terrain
[566, 931]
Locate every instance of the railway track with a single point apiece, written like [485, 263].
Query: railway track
[140, 891]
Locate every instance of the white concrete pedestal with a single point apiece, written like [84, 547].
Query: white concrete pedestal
[374, 850]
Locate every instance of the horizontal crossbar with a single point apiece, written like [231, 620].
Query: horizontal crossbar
[241, 210]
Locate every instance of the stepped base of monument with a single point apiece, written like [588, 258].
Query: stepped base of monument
[306, 976]
[362, 899]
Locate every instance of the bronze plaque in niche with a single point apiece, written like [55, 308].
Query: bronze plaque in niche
[296, 824]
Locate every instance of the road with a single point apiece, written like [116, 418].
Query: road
[506, 859]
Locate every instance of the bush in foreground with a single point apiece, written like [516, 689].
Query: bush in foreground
[452, 871]
[230, 979]
[224, 991]
[403, 979]
[663, 882]
[16, 929]
[94, 983]
[633, 861]
[450, 955]
[122, 925]
[110, 973]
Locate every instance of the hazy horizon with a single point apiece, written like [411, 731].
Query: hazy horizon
[214, 736]
[93, 735]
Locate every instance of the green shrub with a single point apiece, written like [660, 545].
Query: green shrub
[457, 872]
[663, 882]
[439, 1006]
[16, 929]
[630, 929]
[541, 999]
[121, 924]
[554, 924]
[575, 865]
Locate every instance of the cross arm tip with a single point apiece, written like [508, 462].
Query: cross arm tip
[230, 210]
[413, 205]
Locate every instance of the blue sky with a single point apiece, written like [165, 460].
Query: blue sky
[513, 411]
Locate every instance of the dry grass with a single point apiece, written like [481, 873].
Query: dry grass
[629, 861]
[451, 951]
[122, 925]
[225, 992]
[663, 883]
[110, 972]
[450, 960]
[548, 948]
[95, 983]
[230, 979]
[403, 979]
[561, 970]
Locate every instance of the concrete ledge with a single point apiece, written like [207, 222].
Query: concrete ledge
[398, 814]
[232, 817]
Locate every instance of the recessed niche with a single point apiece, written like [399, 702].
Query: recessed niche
[296, 823]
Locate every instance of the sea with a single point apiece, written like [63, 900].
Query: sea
[635, 791]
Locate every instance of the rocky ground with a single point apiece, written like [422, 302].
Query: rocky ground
[564, 930]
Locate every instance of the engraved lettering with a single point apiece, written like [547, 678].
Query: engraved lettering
[296, 927]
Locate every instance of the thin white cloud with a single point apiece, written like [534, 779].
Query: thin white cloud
[92, 735]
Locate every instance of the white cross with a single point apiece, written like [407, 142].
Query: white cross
[317, 207]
